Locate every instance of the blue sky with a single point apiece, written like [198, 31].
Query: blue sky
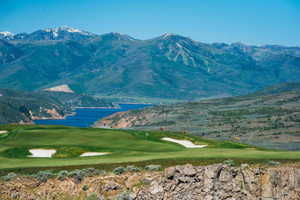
[249, 21]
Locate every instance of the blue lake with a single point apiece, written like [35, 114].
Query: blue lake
[85, 117]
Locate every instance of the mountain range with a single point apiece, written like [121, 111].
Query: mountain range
[167, 67]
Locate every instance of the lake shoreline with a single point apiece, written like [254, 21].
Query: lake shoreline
[86, 116]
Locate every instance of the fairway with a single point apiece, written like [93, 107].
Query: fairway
[123, 146]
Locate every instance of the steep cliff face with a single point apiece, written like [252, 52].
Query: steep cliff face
[185, 182]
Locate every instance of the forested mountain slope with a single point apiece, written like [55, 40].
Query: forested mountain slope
[169, 66]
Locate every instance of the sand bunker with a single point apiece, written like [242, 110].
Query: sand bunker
[185, 143]
[2, 132]
[42, 153]
[93, 154]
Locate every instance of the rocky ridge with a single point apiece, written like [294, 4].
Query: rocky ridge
[187, 182]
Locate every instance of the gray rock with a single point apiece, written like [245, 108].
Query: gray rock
[112, 186]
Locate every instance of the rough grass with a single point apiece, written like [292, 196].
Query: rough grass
[126, 146]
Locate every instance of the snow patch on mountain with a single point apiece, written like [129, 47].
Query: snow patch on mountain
[60, 88]
[6, 34]
[56, 30]
[167, 35]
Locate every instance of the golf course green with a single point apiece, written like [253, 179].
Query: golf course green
[122, 146]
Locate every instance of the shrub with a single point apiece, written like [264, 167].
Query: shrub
[271, 162]
[132, 168]
[92, 172]
[153, 167]
[43, 176]
[92, 196]
[74, 173]
[85, 187]
[229, 162]
[62, 175]
[119, 170]
[9, 176]
[124, 196]
[77, 175]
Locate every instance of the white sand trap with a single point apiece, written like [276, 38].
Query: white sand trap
[42, 153]
[93, 154]
[185, 143]
[2, 132]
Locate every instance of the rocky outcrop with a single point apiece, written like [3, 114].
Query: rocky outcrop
[126, 119]
[224, 182]
[52, 114]
[187, 182]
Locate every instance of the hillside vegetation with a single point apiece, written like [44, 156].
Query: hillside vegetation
[270, 118]
[18, 106]
[166, 67]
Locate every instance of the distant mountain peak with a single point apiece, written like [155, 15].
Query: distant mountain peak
[66, 29]
[6, 33]
[172, 36]
[166, 35]
[177, 48]
[58, 33]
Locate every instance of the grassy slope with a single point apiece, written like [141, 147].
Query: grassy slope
[126, 146]
[269, 119]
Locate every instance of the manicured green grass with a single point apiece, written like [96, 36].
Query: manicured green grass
[125, 146]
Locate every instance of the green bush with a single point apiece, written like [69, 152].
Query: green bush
[132, 168]
[229, 162]
[88, 172]
[77, 175]
[62, 175]
[85, 187]
[9, 176]
[92, 196]
[74, 172]
[124, 196]
[43, 176]
[119, 170]
[271, 162]
[153, 167]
